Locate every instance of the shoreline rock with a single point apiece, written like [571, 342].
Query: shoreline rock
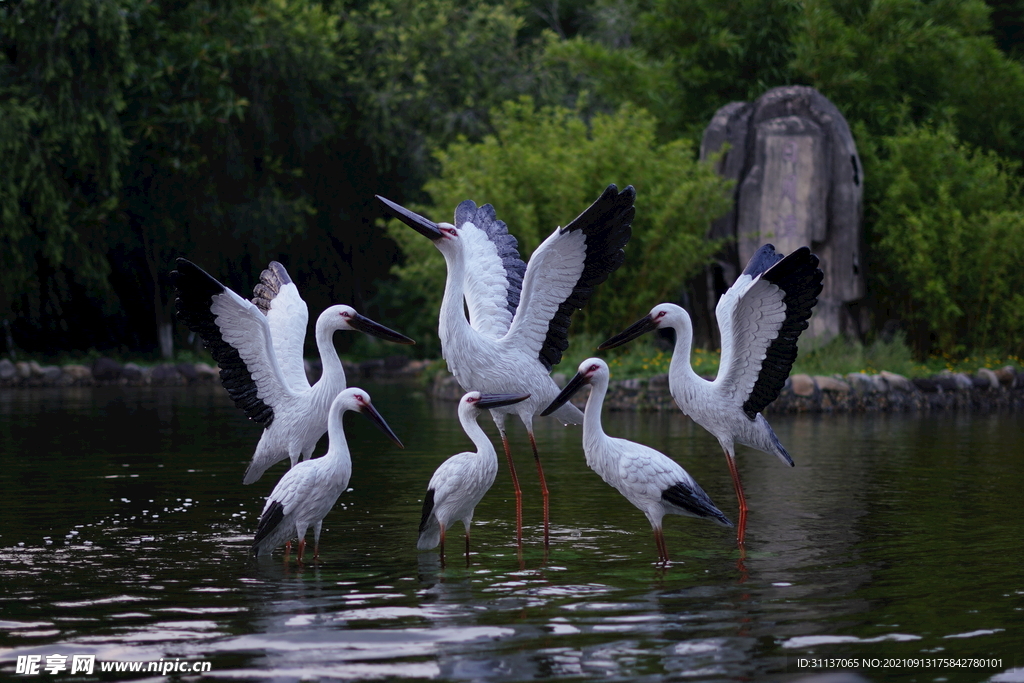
[109, 372]
[986, 390]
[856, 392]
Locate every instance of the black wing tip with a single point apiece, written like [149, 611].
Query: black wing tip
[428, 508]
[269, 520]
[695, 501]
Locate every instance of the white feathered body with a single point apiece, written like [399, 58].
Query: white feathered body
[309, 490]
[640, 473]
[501, 360]
[749, 316]
[459, 485]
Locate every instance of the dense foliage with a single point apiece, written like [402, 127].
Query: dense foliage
[237, 131]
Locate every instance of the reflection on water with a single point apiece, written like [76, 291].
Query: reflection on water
[124, 530]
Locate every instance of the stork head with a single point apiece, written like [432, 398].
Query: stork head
[341, 317]
[356, 399]
[589, 370]
[662, 315]
[438, 233]
[477, 401]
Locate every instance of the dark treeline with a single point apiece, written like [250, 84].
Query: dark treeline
[234, 132]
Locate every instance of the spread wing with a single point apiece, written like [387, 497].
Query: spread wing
[493, 286]
[278, 298]
[564, 270]
[766, 312]
[239, 338]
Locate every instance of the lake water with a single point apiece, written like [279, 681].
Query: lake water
[895, 545]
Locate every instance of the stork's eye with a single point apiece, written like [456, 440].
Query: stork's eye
[451, 231]
[661, 314]
[593, 368]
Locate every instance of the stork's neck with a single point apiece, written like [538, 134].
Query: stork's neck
[680, 372]
[333, 377]
[452, 322]
[476, 433]
[593, 431]
[338, 460]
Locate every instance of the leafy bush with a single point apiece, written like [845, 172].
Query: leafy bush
[945, 225]
[541, 168]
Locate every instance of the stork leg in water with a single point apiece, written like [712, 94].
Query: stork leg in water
[543, 489]
[741, 528]
[515, 485]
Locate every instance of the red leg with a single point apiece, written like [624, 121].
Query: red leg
[467, 546]
[442, 545]
[742, 527]
[659, 540]
[302, 547]
[543, 487]
[515, 485]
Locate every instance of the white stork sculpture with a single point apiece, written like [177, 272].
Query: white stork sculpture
[308, 491]
[258, 346]
[461, 481]
[760, 317]
[649, 479]
[519, 315]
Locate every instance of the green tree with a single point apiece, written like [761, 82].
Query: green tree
[64, 67]
[894, 59]
[228, 102]
[946, 229]
[541, 168]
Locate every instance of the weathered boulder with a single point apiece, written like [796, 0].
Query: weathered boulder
[106, 369]
[7, 370]
[206, 372]
[78, 373]
[897, 382]
[166, 375]
[861, 383]
[798, 182]
[831, 384]
[802, 385]
[188, 371]
[1007, 376]
[133, 373]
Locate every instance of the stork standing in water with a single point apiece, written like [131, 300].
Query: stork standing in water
[760, 317]
[649, 479]
[518, 314]
[462, 480]
[258, 346]
[308, 491]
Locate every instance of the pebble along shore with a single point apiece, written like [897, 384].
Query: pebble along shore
[984, 391]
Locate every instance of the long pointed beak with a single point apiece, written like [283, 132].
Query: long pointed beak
[640, 327]
[574, 385]
[369, 411]
[488, 401]
[364, 324]
[423, 226]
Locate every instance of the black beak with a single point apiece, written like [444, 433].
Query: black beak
[369, 411]
[571, 388]
[642, 326]
[364, 324]
[423, 226]
[488, 401]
